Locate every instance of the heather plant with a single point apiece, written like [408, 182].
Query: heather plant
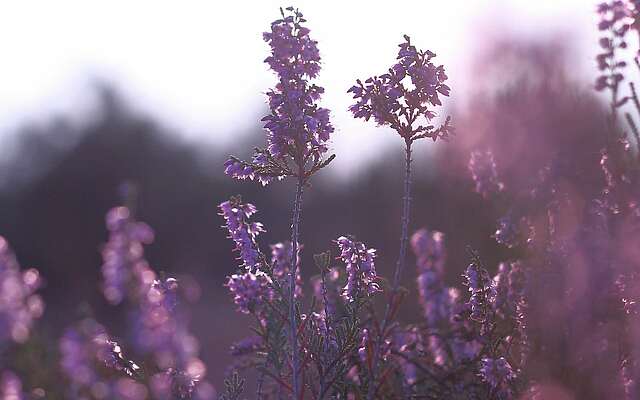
[95, 364]
[404, 99]
[478, 339]
[297, 134]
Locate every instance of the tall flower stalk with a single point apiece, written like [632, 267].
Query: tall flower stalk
[403, 99]
[298, 131]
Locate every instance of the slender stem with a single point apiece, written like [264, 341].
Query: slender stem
[406, 207]
[326, 332]
[295, 233]
[404, 239]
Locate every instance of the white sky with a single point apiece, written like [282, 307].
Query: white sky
[197, 65]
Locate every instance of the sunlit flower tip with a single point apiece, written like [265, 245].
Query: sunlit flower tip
[360, 266]
[482, 291]
[242, 231]
[123, 253]
[297, 128]
[409, 90]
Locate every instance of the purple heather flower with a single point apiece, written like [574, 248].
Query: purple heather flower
[297, 128]
[497, 372]
[250, 290]
[429, 249]
[243, 232]
[123, 253]
[484, 173]
[281, 256]
[162, 332]
[408, 92]
[513, 231]
[434, 296]
[11, 386]
[20, 306]
[360, 266]
[85, 348]
[482, 291]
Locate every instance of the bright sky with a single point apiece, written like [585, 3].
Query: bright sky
[197, 65]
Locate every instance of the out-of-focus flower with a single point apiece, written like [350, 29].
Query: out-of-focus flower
[236, 215]
[281, 256]
[405, 95]
[431, 256]
[160, 331]
[484, 173]
[123, 254]
[297, 128]
[86, 348]
[20, 306]
[360, 266]
[11, 386]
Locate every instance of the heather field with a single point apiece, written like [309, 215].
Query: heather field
[439, 227]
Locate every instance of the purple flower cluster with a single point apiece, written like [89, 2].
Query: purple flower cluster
[442, 305]
[497, 372]
[295, 118]
[361, 270]
[244, 233]
[20, 306]
[482, 291]
[250, 290]
[297, 128]
[403, 95]
[159, 330]
[431, 257]
[123, 255]
[85, 350]
[617, 17]
[484, 173]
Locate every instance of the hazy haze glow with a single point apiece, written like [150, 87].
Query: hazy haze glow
[197, 65]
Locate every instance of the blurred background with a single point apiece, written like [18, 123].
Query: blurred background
[157, 94]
